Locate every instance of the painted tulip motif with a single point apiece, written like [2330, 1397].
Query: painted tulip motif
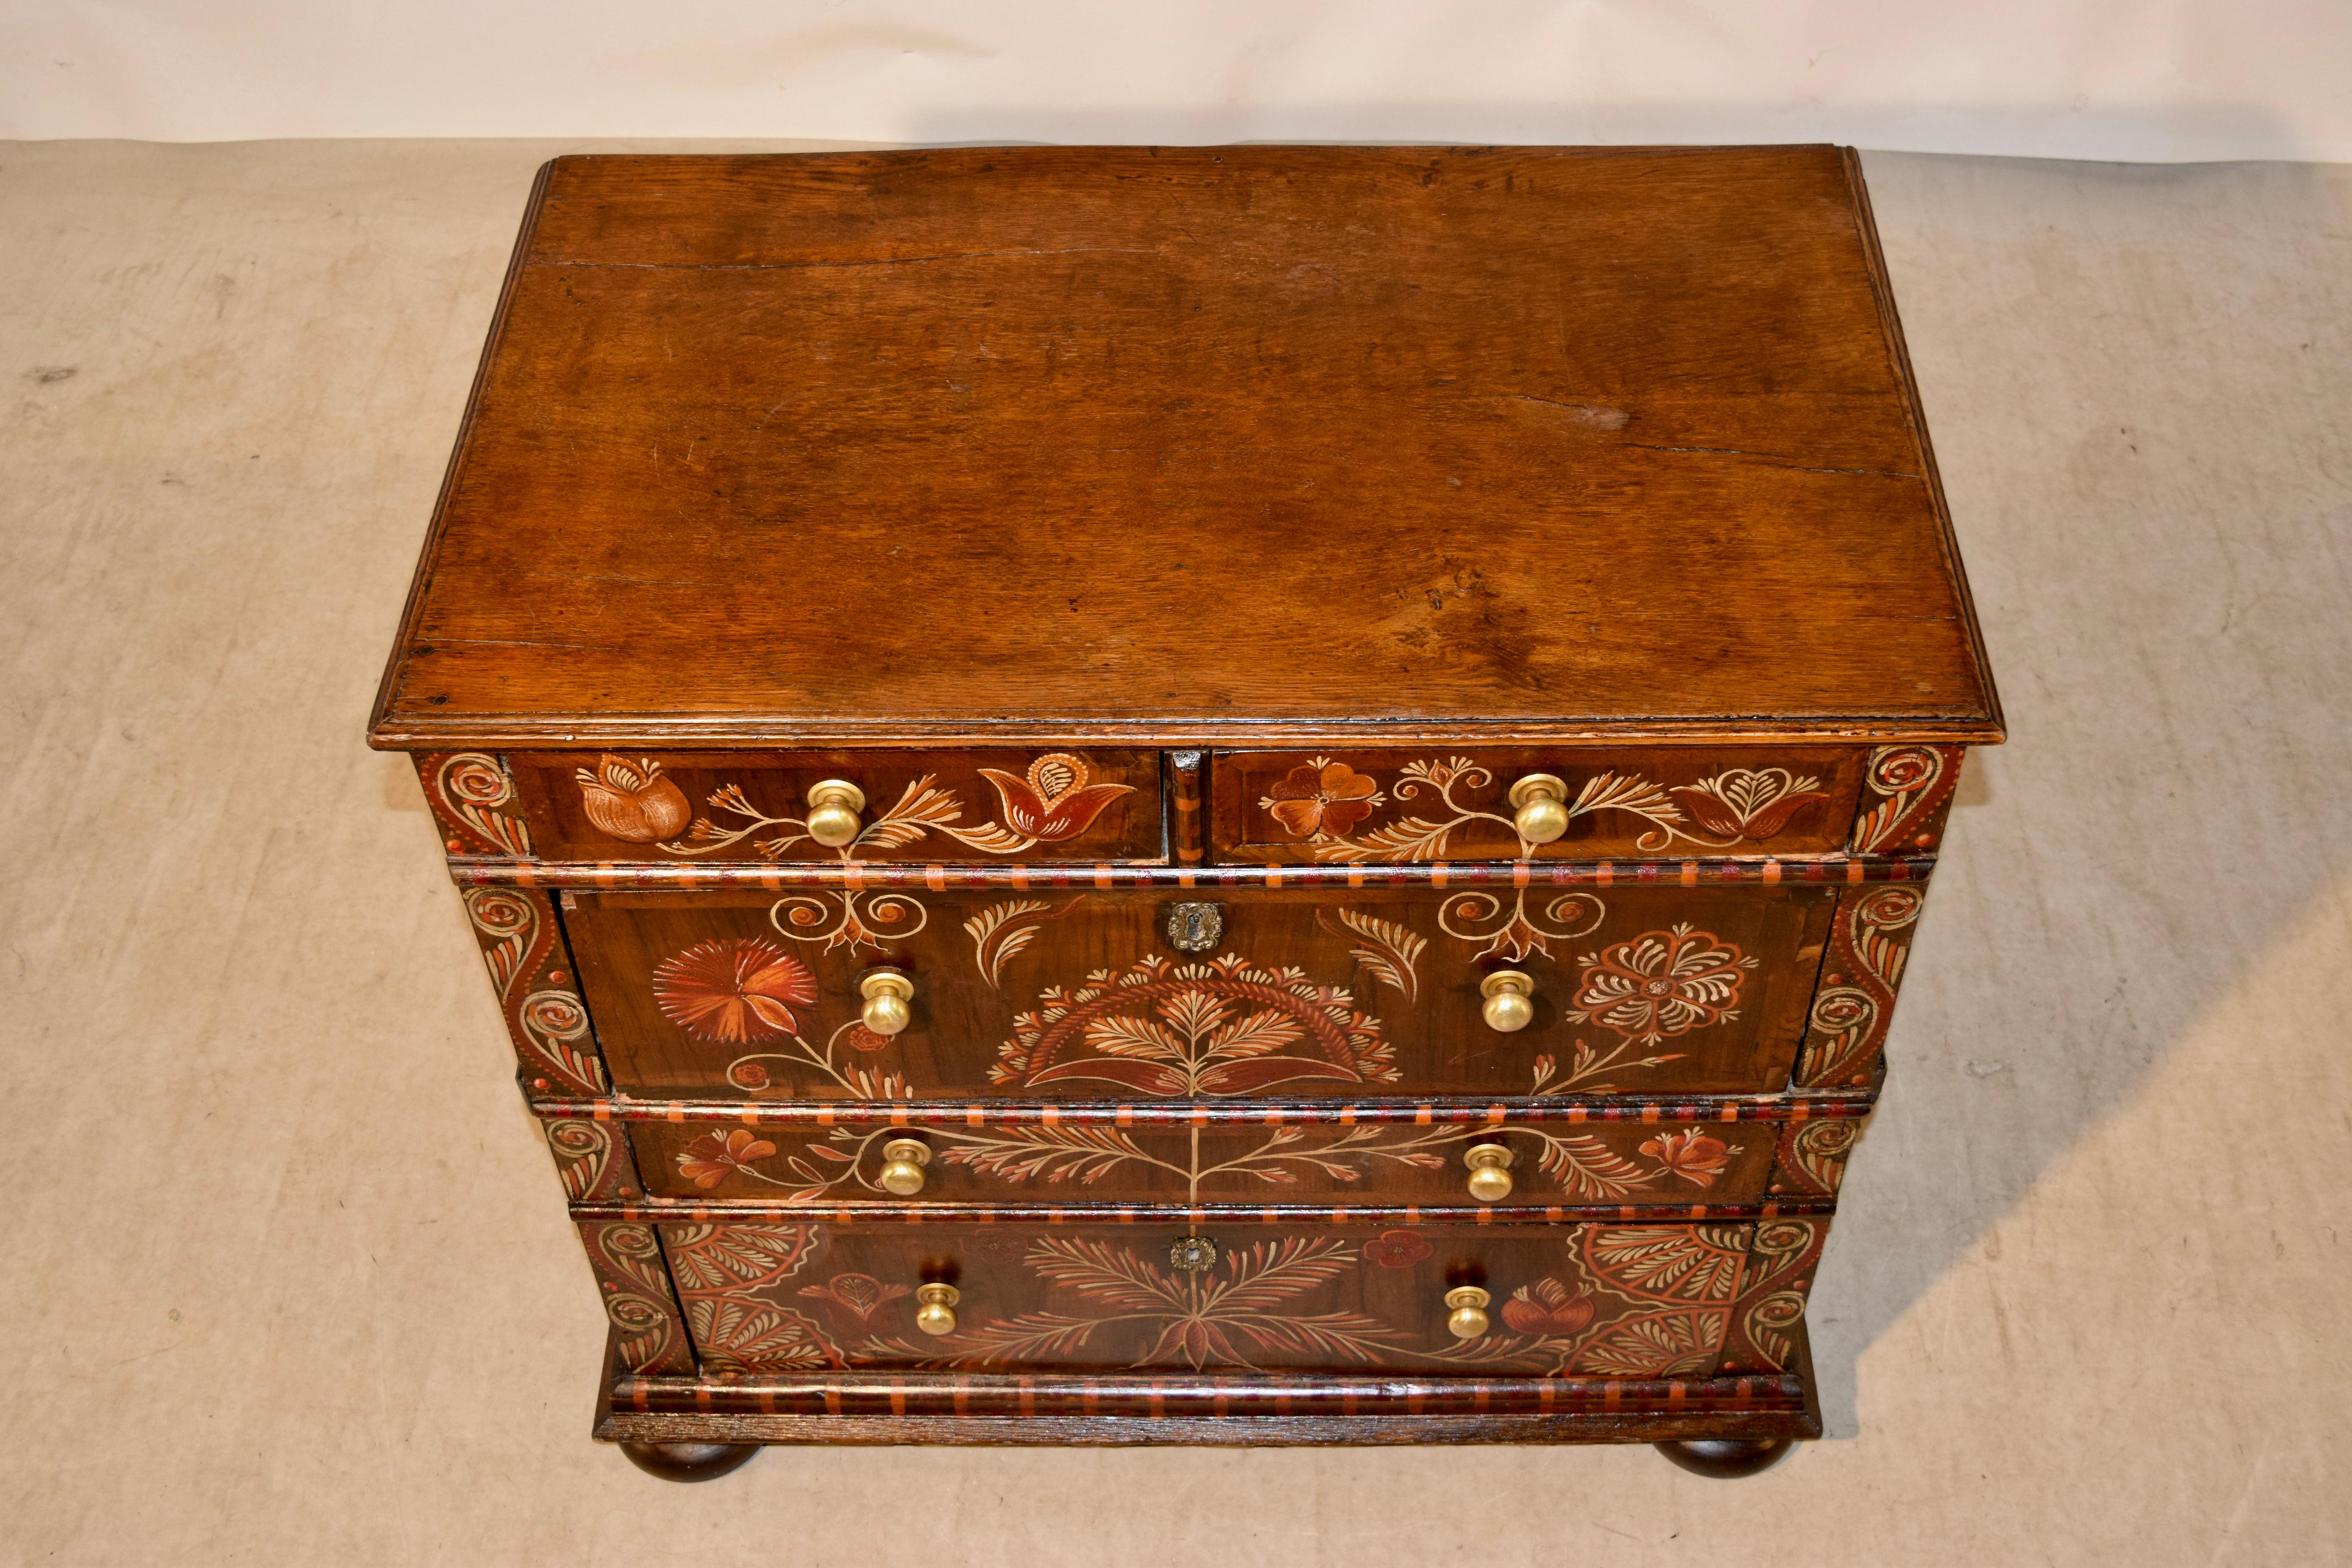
[1694, 1156]
[860, 1295]
[1055, 802]
[1747, 803]
[1545, 1308]
[632, 801]
[711, 1159]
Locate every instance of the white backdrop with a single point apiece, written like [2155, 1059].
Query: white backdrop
[2139, 79]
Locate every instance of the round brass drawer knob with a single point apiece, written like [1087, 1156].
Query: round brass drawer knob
[1539, 807]
[887, 993]
[1467, 1309]
[833, 805]
[1510, 1001]
[903, 1160]
[935, 1308]
[1490, 1172]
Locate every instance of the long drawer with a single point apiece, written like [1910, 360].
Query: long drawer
[1635, 985]
[1637, 1301]
[1714, 1155]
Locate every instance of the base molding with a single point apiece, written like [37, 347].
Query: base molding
[1205, 1411]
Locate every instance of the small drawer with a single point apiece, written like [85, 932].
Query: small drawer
[902, 807]
[1380, 808]
[1578, 1299]
[1518, 985]
[1709, 1155]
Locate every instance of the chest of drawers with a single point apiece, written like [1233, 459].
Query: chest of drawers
[1246, 795]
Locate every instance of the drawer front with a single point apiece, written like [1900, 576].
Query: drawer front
[1393, 806]
[1058, 994]
[920, 807]
[1614, 1300]
[1021, 1157]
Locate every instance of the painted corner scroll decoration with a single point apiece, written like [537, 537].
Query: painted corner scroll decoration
[1323, 800]
[1811, 1154]
[1913, 784]
[545, 1017]
[1771, 1304]
[650, 1337]
[1870, 938]
[1585, 1168]
[473, 796]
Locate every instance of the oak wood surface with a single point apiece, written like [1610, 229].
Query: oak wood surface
[1193, 446]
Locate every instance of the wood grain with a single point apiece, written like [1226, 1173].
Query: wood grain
[1191, 444]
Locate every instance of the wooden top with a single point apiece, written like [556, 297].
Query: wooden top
[1206, 445]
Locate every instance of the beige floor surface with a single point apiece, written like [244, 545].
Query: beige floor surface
[284, 1273]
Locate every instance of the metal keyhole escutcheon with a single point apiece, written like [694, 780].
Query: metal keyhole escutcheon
[1194, 928]
[1192, 1254]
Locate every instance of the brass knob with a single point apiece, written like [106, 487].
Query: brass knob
[903, 1162]
[1490, 1172]
[885, 991]
[833, 805]
[1468, 1318]
[1509, 1007]
[935, 1308]
[1539, 807]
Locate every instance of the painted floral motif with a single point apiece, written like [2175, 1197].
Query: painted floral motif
[1217, 1028]
[1674, 1290]
[1055, 802]
[1214, 1318]
[1323, 802]
[1694, 1156]
[1322, 799]
[711, 1159]
[1547, 1308]
[1661, 984]
[1000, 932]
[721, 1272]
[860, 1295]
[1747, 803]
[1397, 1249]
[632, 802]
[1388, 951]
[740, 989]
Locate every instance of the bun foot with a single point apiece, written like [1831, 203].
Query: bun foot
[1726, 1458]
[688, 1461]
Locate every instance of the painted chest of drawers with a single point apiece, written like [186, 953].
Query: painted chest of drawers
[1241, 796]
